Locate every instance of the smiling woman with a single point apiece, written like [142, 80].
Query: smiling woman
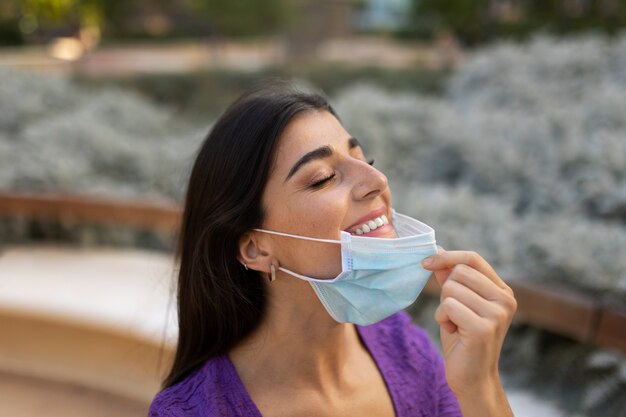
[293, 270]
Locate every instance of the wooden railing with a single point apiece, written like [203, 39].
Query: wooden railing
[564, 312]
[159, 216]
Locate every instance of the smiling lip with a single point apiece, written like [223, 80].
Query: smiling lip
[369, 216]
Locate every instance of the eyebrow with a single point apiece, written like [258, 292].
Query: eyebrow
[353, 143]
[319, 153]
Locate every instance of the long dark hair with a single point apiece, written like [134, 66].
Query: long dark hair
[219, 301]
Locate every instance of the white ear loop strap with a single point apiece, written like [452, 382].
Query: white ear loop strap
[304, 277]
[315, 239]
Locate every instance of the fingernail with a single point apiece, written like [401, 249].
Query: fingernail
[428, 261]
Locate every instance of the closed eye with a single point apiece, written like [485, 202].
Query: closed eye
[320, 183]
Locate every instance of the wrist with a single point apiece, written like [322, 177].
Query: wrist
[479, 386]
[486, 398]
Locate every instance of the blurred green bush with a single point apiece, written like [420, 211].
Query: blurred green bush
[36, 21]
[479, 21]
[472, 21]
[204, 94]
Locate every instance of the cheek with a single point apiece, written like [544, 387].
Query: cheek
[313, 216]
[327, 220]
[316, 214]
[317, 260]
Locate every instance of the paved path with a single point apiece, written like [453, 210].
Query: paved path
[196, 55]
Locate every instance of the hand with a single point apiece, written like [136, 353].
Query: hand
[474, 315]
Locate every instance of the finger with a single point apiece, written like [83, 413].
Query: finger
[477, 282]
[441, 316]
[458, 291]
[450, 259]
[472, 300]
[467, 322]
[441, 275]
[480, 294]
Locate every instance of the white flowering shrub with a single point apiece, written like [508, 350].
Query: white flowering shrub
[55, 136]
[25, 99]
[523, 159]
[561, 107]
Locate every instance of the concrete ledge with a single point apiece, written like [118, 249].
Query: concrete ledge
[28, 396]
[94, 318]
[100, 359]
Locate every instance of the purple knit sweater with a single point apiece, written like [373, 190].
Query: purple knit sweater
[410, 365]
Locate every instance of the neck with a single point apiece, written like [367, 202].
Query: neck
[298, 343]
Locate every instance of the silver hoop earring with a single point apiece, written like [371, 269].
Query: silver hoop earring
[272, 273]
[245, 265]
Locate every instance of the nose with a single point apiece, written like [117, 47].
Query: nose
[370, 182]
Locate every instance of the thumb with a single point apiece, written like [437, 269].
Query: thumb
[441, 275]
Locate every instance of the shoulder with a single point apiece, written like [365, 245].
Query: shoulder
[177, 399]
[196, 395]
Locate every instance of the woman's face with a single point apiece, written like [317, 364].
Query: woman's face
[321, 184]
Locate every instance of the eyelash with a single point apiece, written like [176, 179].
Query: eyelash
[318, 184]
[321, 182]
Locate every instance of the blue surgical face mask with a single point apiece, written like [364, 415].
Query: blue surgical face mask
[379, 276]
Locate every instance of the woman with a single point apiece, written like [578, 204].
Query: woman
[288, 239]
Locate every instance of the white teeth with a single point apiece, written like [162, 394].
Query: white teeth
[372, 225]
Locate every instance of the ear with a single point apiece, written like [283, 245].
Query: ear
[254, 253]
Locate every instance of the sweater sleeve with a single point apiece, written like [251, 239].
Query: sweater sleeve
[447, 403]
[160, 408]
[156, 411]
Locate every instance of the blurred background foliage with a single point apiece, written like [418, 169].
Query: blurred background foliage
[473, 22]
[479, 21]
[518, 152]
[36, 21]
[199, 94]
